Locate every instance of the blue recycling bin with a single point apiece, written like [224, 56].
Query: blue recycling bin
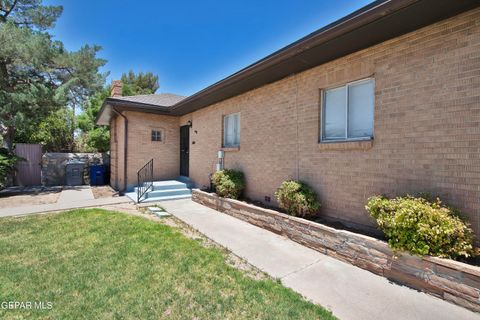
[97, 175]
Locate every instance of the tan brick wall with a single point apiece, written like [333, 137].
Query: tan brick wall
[165, 154]
[427, 126]
[117, 132]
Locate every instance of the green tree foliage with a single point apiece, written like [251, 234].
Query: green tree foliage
[141, 83]
[29, 13]
[93, 137]
[37, 74]
[97, 138]
[54, 131]
[7, 165]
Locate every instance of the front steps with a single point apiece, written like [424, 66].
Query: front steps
[164, 190]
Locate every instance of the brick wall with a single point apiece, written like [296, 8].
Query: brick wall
[117, 132]
[141, 148]
[427, 126]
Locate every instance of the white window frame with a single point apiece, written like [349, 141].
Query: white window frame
[224, 138]
[323, 139]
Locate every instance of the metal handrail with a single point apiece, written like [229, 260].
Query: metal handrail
[144, 179]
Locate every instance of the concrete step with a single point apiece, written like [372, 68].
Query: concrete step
[165, 198]
[164, 190]
[167, 185]
[170, 184]
[168, 192]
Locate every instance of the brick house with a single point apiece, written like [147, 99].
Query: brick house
[383, 101]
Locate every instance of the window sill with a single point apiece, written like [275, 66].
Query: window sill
[228, 149]
[363, 145]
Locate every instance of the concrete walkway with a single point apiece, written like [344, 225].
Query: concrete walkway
[70, 200]
[75, 194]
[350, 292]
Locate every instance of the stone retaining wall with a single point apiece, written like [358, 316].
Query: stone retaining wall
[53, 165]
[450, 280]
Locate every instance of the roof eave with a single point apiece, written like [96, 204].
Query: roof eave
[377, 22]
[106, 112]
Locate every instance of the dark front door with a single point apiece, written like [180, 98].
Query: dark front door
[184, 149]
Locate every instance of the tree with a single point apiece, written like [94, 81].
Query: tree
[141, 83]
[54, 131]
[97, 138]
[39, 76]
[7, 165]
[93, 137]
[29, 13]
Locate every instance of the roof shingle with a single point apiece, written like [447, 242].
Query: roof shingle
[163, 99]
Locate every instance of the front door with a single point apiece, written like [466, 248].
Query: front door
[184, 149]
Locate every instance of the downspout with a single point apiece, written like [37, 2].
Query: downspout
[125, 150]
[297, 153]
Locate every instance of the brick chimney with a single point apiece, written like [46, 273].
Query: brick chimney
[116, 88]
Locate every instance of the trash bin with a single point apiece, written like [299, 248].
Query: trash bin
[74, 172]
[97, 175]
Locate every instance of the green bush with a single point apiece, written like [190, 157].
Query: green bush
[229, 183]
[421, 226]
[7, 165]
[297, 198]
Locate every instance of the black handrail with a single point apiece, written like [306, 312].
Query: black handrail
[144, 179]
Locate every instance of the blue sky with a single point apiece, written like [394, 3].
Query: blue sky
[191, 44]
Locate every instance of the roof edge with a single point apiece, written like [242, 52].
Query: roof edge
[379, 10]
[125, 105]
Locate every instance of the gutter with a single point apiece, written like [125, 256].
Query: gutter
[125, 151]
[137, 105]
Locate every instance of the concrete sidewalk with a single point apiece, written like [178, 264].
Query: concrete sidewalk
[350, 292]
[69, 202]
[75, 194]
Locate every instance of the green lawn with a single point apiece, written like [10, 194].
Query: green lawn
[97, 264]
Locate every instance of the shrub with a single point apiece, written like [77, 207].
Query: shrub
[297, 198]
[420, 226]
[229, 183]
[7, 165]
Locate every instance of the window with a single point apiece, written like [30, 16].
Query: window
[347, 112]
[231, 130]
[156, 135]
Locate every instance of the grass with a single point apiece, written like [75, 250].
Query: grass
[97, 264]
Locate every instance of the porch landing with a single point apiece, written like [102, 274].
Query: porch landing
[164, 190]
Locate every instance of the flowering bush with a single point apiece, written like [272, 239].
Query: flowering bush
[421, 226]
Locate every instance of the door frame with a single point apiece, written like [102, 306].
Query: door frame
[184, 150]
